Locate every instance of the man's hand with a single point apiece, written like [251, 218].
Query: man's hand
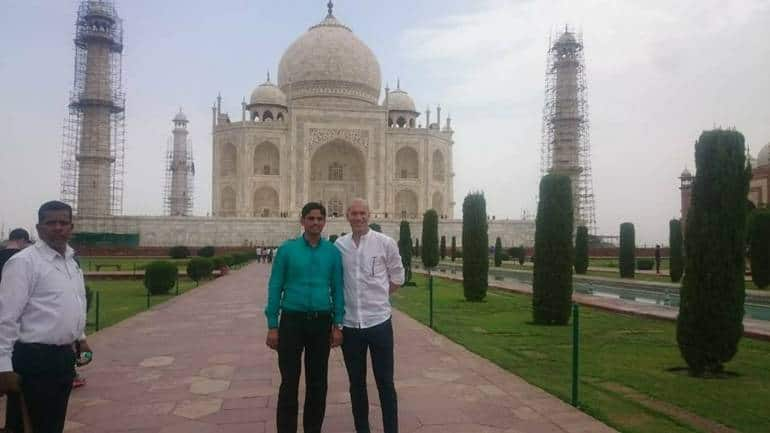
[336, 336]
[84, 347]
[10, 382]
[272, 339]
[393, 287]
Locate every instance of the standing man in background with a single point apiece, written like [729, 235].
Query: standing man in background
[42, 315]
[373, 270]
[306, 288]
[18, 239]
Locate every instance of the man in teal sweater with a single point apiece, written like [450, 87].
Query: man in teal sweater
[306, 288]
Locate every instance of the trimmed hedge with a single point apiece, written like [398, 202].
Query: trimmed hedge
[207, 251]
[160, 276]
[442, 247]
[554, 254]
[759, 247]
[199, 268]
[218, 262]
[475, 243]
[581, 250]
[498, 252]
[710, 321]
[645, 264]
[676, 261]
[626, 260]
[429, 254]
[179, 252]
[453, 251]
[405, 249]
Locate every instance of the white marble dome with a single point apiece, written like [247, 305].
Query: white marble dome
[399, 100]
[268, 93]
[330, 61]
[763, 158]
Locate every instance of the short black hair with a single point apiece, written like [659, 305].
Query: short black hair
[306, 209]
[51, 206]
[18, 235]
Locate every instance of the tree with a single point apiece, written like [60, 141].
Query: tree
[554, 255]
[581, 250]
[676, 260]
[498, 252]
[417, 247]
[442, 247]
[376, 227]
[405, 249]
[454, 248]
[710, 321]
[627, 259]
[430, 239]
[759, 247]
[475, 243]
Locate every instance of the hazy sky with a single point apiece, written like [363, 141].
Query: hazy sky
[659, 72]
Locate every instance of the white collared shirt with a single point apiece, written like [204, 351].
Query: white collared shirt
[42, 300]
[369, 268]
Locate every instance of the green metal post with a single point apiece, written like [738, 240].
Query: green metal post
[97, 310]
[148, 298]
[177, 283]
[430, 290]
[575, 352]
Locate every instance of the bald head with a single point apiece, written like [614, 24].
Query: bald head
[358, 216]
[358, 202]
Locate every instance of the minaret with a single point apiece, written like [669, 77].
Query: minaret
[92, 153]
[181, 170]
[685, 188]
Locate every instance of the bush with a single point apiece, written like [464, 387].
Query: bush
[376, 227]
[219, 262]
[417, 250]
[160, 276]
[179, 252]
[333, 238]
[475, 243]
[759, 247]
[627, 250]
[405, 249]
[645, 264]
[430, 239]
[89, 298]
[208, 251]
[710, 321]
[498, 252]
[554, 254]
[442, 247]
[199, 268]
[676, 261]
[581, 250]
[453, 250]
[229, 260]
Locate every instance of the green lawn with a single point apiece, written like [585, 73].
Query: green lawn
[620, 355]
[121, 299]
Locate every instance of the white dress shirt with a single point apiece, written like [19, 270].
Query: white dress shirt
[42, 300]
[369, 268]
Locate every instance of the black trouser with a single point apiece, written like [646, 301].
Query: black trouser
[46, 381]
[355, 343]
[297, 332]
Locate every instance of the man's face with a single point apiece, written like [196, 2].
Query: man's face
[55, 229]
[314, 222]
[358, 216]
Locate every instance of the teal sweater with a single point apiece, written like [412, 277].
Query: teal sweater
[306, 278]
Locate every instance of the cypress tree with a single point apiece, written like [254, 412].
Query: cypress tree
[627, 260]
[430, 239]
[552, 279]
[475, 243]
[581, 250]
[417, 247]
[442, 247]
[710, 321]
[759, 247]
[405, 249]
[498, 252]
[454, 248]
[522, 255]
[376, 227]
[676, 261]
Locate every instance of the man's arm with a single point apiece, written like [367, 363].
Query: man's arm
[394, 265]
[275, 287]
[338, 288]
[15, 289]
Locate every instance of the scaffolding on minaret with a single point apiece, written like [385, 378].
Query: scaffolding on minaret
[179, 167]
[566, 145]
[93, 138]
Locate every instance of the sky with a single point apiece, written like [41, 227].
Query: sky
[658, 74]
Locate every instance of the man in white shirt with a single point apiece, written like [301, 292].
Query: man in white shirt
[42, 315]
[373, 270]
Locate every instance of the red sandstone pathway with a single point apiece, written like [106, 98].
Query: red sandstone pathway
[198, 364]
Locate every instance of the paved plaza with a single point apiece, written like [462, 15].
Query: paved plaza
[198, 363]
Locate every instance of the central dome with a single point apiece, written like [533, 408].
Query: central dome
[330, 61]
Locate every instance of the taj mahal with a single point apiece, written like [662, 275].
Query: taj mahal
[323, 131]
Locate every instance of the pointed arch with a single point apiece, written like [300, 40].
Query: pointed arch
[227, 207]
[228, 162]
[407, 163]
[265, 202]
[439, 169]
[267, 159]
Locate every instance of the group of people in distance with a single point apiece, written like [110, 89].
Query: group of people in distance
[321, 295]
[265, 254]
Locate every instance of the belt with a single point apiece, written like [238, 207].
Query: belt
[307, 314]
[45, 346]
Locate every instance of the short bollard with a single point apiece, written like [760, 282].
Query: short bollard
[97, 310]
[430, 294]
[148, 298]
[177, 284]
[575, 352]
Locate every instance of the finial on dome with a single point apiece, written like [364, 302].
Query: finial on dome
[268, 75]
[398, 83]
[330, 6]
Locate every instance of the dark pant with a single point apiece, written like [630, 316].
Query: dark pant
[297, 332]
[46, 381]
[355, 343]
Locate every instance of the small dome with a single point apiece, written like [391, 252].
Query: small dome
[686, 173]
[763, 158]
[268, 93]
[180, 117]
[567, 37]
[399, 100]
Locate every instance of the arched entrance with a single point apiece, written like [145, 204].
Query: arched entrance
[406, 204]
[265, 202]
[337, 175]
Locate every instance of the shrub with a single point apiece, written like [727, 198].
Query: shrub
[160, 276]
[430, 239]
[627, 250]
[475, 243]
[179, 252]
[89, 298]
[207, 251]
[676, 261]
[645, 264]
[405, 249]
[199, 268]
[376, 227]
[442, 247]
[581, 250]
[229, 260]
[453, 251]
[552, 278]
[218, 262]
[759, 247]
[333, 238]
[710, 321]
[417, 250]
[498, 252]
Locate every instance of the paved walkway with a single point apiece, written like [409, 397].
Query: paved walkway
[198, 364]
